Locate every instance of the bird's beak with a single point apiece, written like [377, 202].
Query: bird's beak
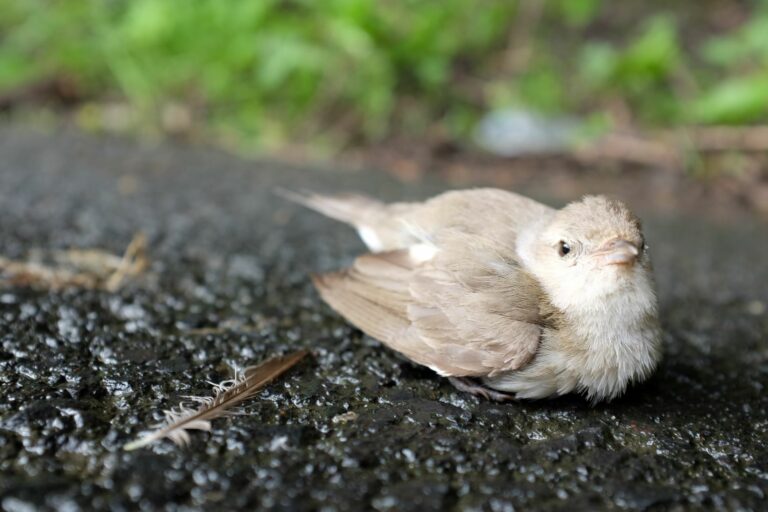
[617, 252]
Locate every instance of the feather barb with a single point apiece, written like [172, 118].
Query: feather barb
[227, 395]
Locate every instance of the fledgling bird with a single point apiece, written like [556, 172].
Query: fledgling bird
[505, 296]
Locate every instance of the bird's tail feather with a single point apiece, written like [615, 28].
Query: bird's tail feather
[349, 208]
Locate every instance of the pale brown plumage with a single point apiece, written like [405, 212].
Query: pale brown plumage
[456, 313]
[463, 283]
[422, 312]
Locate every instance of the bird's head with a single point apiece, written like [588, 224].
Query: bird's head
[591, 249]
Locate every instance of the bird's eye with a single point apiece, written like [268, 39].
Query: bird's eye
[564, 248]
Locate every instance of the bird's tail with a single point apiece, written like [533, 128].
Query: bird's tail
[353, 209]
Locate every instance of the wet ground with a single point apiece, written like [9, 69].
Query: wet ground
[84, 371]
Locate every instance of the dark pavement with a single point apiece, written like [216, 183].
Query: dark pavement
[84, 371]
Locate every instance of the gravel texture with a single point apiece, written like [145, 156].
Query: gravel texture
[354, 427]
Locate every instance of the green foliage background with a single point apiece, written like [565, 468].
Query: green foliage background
[268, 72]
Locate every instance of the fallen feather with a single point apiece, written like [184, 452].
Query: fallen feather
[227, 395]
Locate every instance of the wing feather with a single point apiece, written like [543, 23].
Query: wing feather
[459, 318]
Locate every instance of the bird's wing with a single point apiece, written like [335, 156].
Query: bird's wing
[462, 313]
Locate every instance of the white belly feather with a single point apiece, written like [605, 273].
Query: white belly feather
[600, 357]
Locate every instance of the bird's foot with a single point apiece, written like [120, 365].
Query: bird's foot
[471, 386]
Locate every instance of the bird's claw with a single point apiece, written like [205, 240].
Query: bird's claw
[468, 385]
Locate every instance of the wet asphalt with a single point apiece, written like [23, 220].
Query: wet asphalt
[354, 427]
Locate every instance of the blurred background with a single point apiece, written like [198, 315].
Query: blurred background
[140, 260]
[479, 90]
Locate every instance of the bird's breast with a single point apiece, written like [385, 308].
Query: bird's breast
[596, 357]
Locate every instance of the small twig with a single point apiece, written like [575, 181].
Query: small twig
[729, 138]
[20, 273]
[134, 262]
[672, 148]
[89, 268]
[633, 149]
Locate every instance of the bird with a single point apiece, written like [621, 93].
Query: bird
[508, 298]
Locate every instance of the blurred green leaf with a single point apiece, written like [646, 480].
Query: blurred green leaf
[747, 45]
[269, 70]
[737, 100]
[598, 63]
[543, 89]
[653, 55]
[641, 73]
[577, 12]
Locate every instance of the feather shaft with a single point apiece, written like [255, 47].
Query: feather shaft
[227, 395]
